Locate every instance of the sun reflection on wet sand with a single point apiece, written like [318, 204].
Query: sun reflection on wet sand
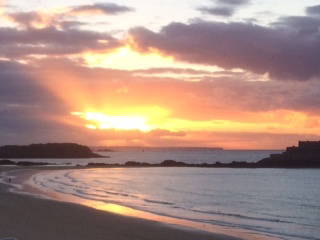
[30, 187]
[179, 223]
[130, 212]
[114, 208]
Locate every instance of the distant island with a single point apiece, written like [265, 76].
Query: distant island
[49, 150]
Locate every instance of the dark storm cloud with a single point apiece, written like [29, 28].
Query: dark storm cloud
[219, 11]
[290, 50]
[51, 41]
[314, 10]
[105, 8]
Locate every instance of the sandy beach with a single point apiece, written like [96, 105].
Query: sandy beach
[29, 218]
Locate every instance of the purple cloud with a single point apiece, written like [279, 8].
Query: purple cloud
[225, 8]
[51, 41]
[313, 10]
[233, 2]
[283, 51]
[219, 11]
[104, 8]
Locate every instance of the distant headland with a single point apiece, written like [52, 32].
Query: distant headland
[48, 150]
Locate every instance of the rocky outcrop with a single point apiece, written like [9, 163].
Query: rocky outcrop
[306, 155]
[7, 162]
[49, 150]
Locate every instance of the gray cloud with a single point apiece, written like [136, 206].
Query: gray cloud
[51, 41]
[313, 10]
[233, 2]
[71, 24]
[219, 11]
[282, 51]
[104, 8]
[29, 19]
[32, 18]
[225, 8]
[303, 26]
[25, 18]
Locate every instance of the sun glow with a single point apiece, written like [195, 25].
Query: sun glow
[103, 121]
[127, 58]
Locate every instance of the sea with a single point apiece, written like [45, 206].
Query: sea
[275, 203]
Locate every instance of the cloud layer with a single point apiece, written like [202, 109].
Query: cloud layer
[224, 8]
[102, 8]
[313, 10]
[288, 51]
[51, 41]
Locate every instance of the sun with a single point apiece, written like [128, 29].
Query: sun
[104, 121]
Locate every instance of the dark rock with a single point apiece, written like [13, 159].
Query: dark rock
[49, 150]
[306, 155]
[172, 163]
[28, 164]
[137, 164]
[7, 162]
[103, 165]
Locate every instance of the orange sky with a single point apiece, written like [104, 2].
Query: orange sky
[132, 107]
[105, 74]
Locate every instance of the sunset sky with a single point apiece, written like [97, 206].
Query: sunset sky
[238, 74]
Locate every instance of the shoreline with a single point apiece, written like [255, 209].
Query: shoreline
[140, 226]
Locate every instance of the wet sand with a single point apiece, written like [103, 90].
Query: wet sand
[28, 218]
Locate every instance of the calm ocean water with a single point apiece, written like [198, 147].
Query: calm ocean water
[159, 155]
[282, 203]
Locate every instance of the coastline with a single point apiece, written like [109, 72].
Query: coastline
[31, 218]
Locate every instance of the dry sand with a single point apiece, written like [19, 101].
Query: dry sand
[28, 218]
